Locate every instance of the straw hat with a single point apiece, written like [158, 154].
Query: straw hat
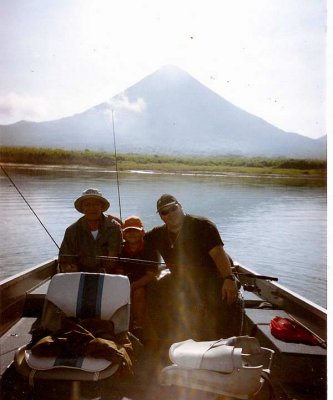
[91, 194]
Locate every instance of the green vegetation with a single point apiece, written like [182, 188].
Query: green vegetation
[217, 164]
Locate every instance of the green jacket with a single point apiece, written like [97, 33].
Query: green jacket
[79, 246]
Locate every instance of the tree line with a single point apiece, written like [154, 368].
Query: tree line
[47, 156]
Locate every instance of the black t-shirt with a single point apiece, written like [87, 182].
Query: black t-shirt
[187, 251]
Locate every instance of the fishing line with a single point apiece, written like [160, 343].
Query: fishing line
[18, 190]
[115, 155]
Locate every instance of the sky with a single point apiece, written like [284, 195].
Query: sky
[268, 57]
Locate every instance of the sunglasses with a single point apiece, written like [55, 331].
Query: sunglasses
[169, 210]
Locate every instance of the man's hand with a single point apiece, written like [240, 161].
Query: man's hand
[68, 268]
[112, 217]
[229, 291]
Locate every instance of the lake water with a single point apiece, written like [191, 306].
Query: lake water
[274, 226]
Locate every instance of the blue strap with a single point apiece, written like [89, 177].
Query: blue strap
[89, 299]
[63, 361]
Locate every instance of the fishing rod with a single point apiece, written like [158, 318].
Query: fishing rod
[116, 159]
[321, 341]
[20, 193]
[165, 265]
[131, 260]
[264, 277]
[120, 259]
[149, 262]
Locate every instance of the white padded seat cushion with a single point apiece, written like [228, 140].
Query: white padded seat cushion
[202, 355]
[88, 364]
[66, 291]
[223, 355]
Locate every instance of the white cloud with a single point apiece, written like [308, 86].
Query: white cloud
[15, 107]
[122, 102]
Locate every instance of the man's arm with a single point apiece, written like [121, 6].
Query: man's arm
[143, 281]
[114, 250]
[229, 287]
[67, 258]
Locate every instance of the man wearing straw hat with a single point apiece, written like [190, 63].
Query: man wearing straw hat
[90, 237]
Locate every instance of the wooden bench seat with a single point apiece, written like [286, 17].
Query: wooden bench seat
[293, 362]
[34, 301]
[259, 320]
[41, 290]
[251, 299]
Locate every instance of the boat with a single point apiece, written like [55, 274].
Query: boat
[297, 370]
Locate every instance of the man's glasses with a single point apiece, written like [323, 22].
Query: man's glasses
[169, 210]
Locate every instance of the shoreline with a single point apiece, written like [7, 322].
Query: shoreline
[77, 167]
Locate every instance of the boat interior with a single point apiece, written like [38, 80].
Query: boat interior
[287, 371]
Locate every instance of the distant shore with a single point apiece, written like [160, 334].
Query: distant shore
[41, 158]
[235, 174]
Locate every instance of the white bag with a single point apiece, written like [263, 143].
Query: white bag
[223, 355]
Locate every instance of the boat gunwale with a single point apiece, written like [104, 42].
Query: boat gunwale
[14, 290]
[307, 313]
[9, 281]
[286, 293]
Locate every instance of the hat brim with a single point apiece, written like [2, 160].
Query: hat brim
[132, 227]
[166, 205]
[78, 202]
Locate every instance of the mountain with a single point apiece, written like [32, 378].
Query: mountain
[168, 112]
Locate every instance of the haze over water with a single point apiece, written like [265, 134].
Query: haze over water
[274, 226]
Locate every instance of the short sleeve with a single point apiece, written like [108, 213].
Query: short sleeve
[211, 235]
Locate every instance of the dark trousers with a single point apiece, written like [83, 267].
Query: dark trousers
[181, 309]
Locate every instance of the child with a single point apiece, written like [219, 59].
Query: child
[139, 273]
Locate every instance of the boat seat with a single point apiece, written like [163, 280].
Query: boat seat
[230, 367]
[79, 295]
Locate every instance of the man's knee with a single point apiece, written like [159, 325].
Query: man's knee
[138, 294]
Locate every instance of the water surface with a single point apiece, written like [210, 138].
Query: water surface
[274, 226]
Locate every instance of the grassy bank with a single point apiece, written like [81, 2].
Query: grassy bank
[222, 164]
